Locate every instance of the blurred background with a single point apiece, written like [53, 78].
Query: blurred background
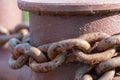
[26, 17]
[10, 17]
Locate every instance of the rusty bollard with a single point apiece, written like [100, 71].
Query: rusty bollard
[52, 21]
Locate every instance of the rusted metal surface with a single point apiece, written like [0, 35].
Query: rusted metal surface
[52, 22]
[66, 51]
[70, 6]
[10, 15]
[56, 28]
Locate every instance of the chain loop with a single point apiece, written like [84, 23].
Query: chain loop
[97, 49]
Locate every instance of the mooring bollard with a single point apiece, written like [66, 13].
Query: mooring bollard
[52, 21]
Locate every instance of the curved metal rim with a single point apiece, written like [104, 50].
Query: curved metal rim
[67, 7]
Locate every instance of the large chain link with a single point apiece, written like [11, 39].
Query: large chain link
[98, 49]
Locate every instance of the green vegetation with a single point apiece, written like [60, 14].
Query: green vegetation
[26, 17]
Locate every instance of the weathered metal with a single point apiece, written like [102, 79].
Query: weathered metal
[52, 21]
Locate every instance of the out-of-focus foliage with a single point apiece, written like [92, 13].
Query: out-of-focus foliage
[26, 17]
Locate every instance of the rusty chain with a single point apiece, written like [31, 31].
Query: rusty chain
[98, 49]
[18, 33]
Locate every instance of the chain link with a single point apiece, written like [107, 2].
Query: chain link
[98, 49]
